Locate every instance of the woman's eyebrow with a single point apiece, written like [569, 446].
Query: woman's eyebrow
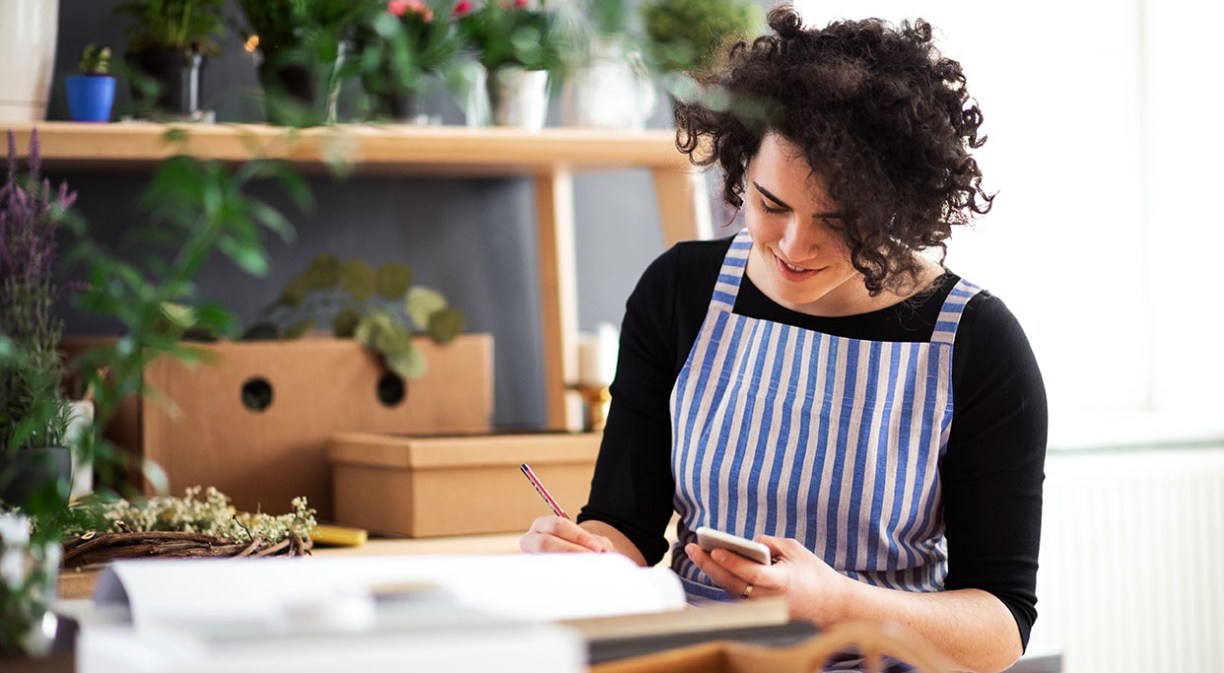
[770, 196]
[830, 215]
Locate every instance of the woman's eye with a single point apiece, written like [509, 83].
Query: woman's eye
[771, 210]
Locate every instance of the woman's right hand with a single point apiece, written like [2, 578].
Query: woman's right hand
[550, 534]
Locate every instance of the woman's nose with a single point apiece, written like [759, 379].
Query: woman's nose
[798, 241]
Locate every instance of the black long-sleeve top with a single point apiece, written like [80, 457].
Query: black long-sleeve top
[991, 473]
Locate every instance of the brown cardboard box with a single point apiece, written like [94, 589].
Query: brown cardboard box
[459, 485]
[319, 386]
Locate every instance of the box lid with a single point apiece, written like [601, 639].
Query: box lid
[434, 452]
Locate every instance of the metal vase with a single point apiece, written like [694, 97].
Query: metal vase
[518, 97]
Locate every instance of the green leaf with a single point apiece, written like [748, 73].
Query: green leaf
[214, 316]
[261, 331]
[296, 290]
[271, 218]
[358, 279]
[381, 333]
[394, 279]
[366, 331]
[423, 302]
[445, 325]
[251, 258]
[344, 323]
[392, 338]
[297, 329]
[179, 315]
[410, 364]
[294, 186]
[324, 272]
[7, 350]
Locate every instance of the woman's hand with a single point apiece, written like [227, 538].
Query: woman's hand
[556, 534]
[813, 590]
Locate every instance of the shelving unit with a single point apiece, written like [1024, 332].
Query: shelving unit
[549, 157]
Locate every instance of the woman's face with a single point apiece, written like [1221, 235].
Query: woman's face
[798, 258]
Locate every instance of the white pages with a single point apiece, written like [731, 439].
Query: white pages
[532, 587]
[368, 614]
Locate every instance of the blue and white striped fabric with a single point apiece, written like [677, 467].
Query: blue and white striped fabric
[784, 431]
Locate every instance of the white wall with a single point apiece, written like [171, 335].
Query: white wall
[1104, 238]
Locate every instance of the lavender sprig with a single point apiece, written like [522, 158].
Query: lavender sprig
[32, 410]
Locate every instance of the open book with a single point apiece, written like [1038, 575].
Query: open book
[371, 614]
[538, 613]
[279, 592]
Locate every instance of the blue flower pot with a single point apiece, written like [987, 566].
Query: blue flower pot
[90, 97]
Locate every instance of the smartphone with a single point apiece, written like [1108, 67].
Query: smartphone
[710, 539]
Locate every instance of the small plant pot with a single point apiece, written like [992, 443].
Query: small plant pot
[90, 97]
[178, 76]
[301, 94]
[519, 97]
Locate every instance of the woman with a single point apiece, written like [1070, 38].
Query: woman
[816, 382]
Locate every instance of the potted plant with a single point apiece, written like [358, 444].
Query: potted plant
[301, 49]
[518, 43]
[381, 308]
[684, 36]
[401, 46]
[153, 299]
[91, 93]
[168, 44]
[33, 412]
[608, 85]
[35, 463]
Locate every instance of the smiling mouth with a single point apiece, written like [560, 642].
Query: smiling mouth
[790, 270]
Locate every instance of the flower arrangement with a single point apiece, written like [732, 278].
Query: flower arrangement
[399, 43]
[191, 526]
[511, 33]
[431, 42]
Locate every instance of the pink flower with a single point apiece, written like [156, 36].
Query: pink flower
[521, 4]
[462, 8]
[418, 7]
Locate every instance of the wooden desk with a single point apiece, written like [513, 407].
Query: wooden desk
[549, 157]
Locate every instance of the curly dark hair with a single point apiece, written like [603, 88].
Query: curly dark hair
[880, 115]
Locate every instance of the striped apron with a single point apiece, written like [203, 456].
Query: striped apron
[835, 442]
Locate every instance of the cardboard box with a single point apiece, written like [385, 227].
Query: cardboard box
[264, 458]
[458, 485]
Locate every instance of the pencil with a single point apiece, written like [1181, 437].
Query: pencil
[539, 487]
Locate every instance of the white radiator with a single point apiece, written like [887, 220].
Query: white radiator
[1132, 561]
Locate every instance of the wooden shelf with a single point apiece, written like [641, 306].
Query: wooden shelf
[449, 150]
[549, 156]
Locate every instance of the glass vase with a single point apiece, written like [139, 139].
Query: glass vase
[29, 581]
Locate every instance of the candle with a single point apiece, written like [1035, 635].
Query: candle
[597, 356]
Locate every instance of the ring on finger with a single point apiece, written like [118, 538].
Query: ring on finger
[747, 592]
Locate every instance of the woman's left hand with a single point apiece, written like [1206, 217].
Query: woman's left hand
[813, 590]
